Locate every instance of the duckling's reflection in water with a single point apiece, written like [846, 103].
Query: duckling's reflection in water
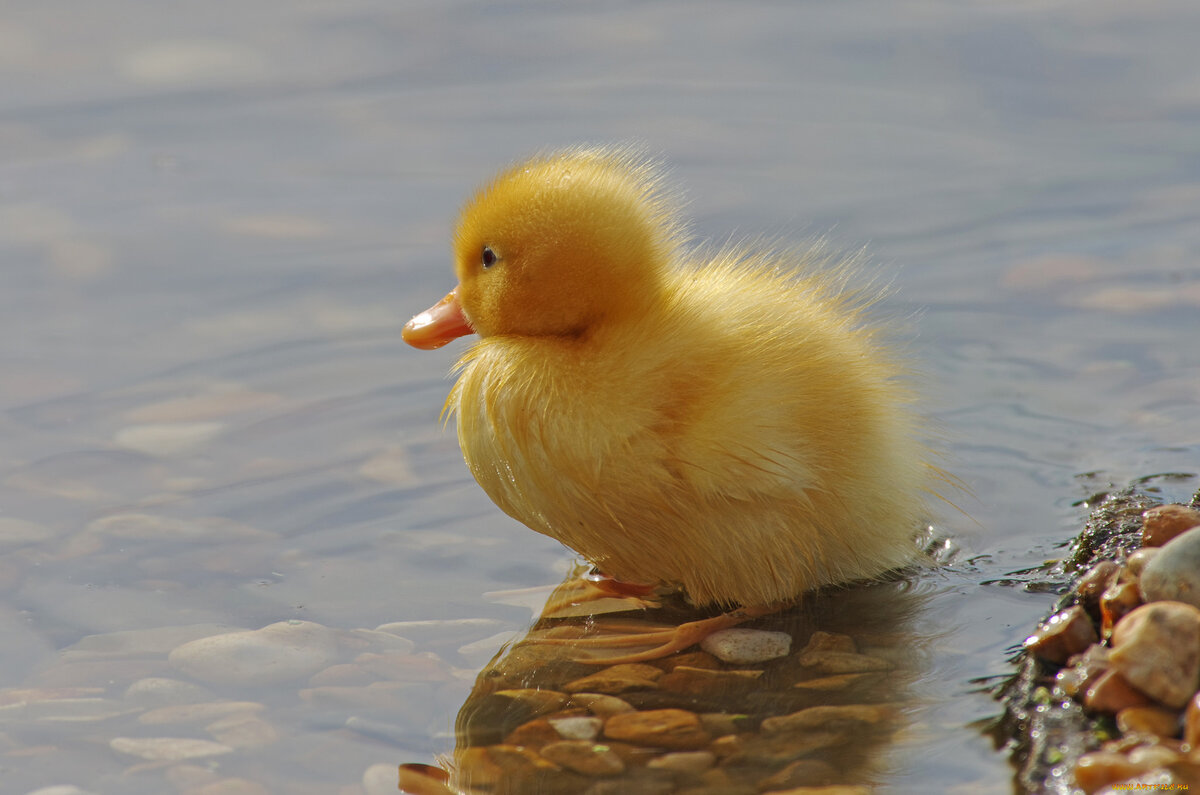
[825, 713]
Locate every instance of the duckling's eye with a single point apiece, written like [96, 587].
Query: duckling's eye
[488, 258]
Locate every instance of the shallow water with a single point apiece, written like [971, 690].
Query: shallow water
[213, 223]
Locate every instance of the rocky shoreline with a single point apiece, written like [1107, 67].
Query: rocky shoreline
[1106, 696]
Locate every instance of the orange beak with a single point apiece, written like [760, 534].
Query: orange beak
[437, 325]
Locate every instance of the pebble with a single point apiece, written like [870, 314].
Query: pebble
[1148, 720]
[167, 748]
[1165, 522]
[684, 761]
[167, 439]
[1102, 768]
[587, 758]
[702, 681]
[152, 527]
[617, 679]
[1062, 636]
[1111, 693]
[599, 704]
[830, 683]
[159, 691]
[822, 717]
[837, 662]
[197, 713]
[665, 728]
[243, 731]
[21, 532]
[578, 728]
[804, 772]
[740, 646]
[280, 652]
[1174, 574]
[1116, 601]
[1096, 581]
[69, 710]
[1136, 563]
[1157, 649]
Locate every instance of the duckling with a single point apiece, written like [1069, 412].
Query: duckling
[725, 422]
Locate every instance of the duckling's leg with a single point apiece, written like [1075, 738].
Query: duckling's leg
[669, 639]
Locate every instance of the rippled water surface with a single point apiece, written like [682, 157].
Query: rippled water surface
[214, 219]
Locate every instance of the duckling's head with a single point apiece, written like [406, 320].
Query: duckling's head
[560, 243]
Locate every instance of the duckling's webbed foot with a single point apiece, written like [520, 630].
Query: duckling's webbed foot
[662, 640]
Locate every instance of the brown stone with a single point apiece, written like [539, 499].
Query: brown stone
[693, 762]
[702, 681]
[835, 789]
[1161, 524]
[1137, 562]
[1157, 649]
[1154, 721]
[828, 684]
[1063, 635]
[840, 662]
[538, 701]
[599, 704]
[1117, 601]
[664, 728]
[1083, 670]
[1112, 693]
[533, 734]
[1096, 770]
[587, 758]
[801, 773]
[1096, 581]
[692, 659]
[474, 768]
[830, 641]
[1191, 723]
[779, 749]
[617, 679]
[829, 717]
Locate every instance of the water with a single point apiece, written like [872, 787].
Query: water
[214, 220]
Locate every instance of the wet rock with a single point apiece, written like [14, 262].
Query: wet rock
[243, 731]
[691, 659]
[231, 786]
[21, 532]
[587, 758]
[70, 710]
[1157, 649]
[167, 748]
[538, 702]
[281, 652]
[826, 717]
[830, 684]
[617, 679]
[1148, 720]
[837, 662]
[599, 704]
[152, 527]
[578, 728]
[158, 691]
[198, 713]
[701, 681]
[1111, 693]
[1174, 574]
[738, 646]
[1063, 635]
[167, 439]
[1096, 581]
[777, 749]
[802, 773]
[1136, 563]
[533, 734]
[664, 728]
[693, 762]
[830, 641]
[1116, 602]
[1165, 522]
[1083, 670]
[1102, 768]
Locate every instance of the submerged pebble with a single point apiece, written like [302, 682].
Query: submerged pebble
[739, 646]
[281, 652]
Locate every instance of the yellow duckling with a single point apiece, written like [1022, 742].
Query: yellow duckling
[726, 423]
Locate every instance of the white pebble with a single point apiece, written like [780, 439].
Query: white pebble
[747, 646]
